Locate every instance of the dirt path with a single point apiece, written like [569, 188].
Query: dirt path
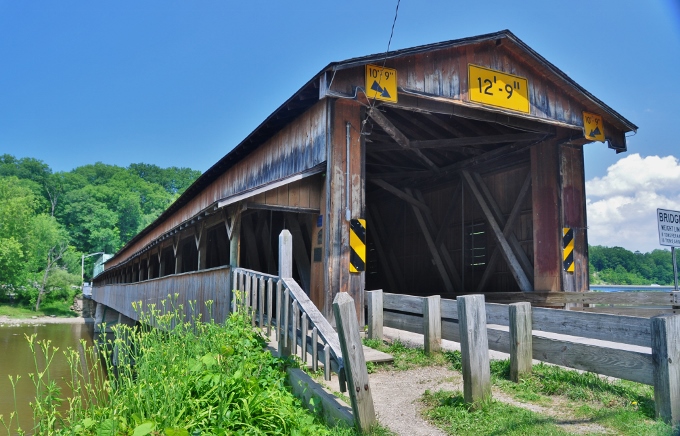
[396, 395]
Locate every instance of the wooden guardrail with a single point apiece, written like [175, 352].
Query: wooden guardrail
[186, 292]
[631, 303]
[301, 329]
[658, 365]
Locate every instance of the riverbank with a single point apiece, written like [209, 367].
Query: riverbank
[40, 320]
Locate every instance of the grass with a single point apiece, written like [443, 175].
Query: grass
[620, 406]
[179, 379]
[448, 411]
[405, 357]
[57, 308]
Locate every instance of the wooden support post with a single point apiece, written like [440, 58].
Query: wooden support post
[666, 358]
[233, 225]
[474, 348]
[201, 245]
[284, 344]
[375, 314]
[327, 362]
[315, 349]
[270, 291]
[279, 302]
[178, 258]
[246, 297]
[513, 264]
[253, 301]
[296, 324]
[285, 254]
[432, 322]
[520, 340]
[304, 328]
[354, 362]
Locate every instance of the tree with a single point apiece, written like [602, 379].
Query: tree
[50, 243]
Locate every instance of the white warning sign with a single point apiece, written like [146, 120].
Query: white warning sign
[669, 227]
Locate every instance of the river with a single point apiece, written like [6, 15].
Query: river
[16, 359]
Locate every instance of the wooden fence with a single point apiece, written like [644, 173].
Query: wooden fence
[187, 293]
[630, 303]
[658, 364]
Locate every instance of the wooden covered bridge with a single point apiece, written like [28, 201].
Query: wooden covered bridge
[457, 166]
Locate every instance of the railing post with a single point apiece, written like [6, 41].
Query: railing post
[375, 314]
[520, 340]
[285, 272]
[432, 319]
[474, 348]
[285, 254]
[666, 357]
[354, 361]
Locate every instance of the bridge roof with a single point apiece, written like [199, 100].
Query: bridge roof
[309, 94]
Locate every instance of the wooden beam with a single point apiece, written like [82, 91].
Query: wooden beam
[401, 194]
[509, 224]
[399, 137]
[476, 140]
[382, 255]
[433, 249]
[443, 250]
[498, 214]
[379, 229]
[300, 252]
[449, 215]
[508, 254]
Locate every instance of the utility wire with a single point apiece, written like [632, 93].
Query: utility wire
[371, 104]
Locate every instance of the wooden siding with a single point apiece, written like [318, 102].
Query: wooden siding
[298, 147]
[198, 287]
[443, 74]
[305, 194]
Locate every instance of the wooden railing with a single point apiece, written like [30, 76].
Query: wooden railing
[630, 303]
[189, 291]
[644, 362]
[299, 327]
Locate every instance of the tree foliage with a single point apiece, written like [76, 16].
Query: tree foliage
[47, 219]
[616, 265]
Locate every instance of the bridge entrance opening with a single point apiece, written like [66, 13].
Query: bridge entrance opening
[436, 186]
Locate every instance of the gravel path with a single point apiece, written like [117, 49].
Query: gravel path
[396, 397]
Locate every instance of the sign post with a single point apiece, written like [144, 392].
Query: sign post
[669, 234]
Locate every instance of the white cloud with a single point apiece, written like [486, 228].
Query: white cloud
[622, 205]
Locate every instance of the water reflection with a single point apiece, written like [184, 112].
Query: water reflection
[16, 359]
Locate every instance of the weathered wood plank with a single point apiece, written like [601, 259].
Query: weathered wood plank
[520, 340]
[432, 319]
[666, 376]
[624, 329]
[474, 349]
[355, 364]
[628, 365]
[506, 250]
[375, 314]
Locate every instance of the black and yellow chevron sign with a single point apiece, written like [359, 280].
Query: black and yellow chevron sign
[568, 252]
[357, 245]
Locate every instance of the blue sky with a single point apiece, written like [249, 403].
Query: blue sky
[179, 83]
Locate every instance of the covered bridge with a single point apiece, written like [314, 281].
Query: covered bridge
[464, 158]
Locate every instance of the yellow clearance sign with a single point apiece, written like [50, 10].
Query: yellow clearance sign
[381, 83]
[592, 127]
[499, 89]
